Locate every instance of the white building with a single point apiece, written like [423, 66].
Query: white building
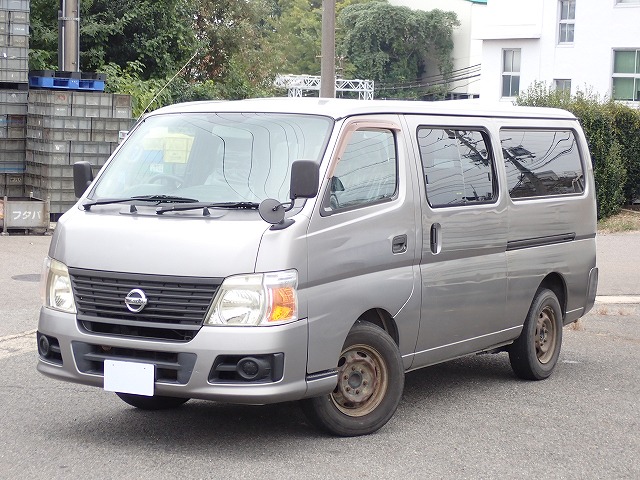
[587, 45]
[467, 50]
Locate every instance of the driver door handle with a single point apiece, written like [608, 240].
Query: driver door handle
[399, 244]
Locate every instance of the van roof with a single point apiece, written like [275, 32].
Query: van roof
[341, 108]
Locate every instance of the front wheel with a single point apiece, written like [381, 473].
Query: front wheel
[151, 403]
[534, 354]
[369, 388]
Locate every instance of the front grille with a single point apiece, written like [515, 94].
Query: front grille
[175, 310]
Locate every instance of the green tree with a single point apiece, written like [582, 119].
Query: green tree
[392, 44]
[297, 28]
[43, 44]
[150, 41]
[234, 52]
[157, 34]
[298, 31]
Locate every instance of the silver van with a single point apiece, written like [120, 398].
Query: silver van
[274, 250]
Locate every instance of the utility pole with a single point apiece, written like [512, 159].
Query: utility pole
[69, 36]
[328, 60]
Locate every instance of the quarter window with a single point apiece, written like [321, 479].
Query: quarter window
[367, 171]
[458, 166]
[510, 72]
[626, 75]
[567, 21]
[541, 162]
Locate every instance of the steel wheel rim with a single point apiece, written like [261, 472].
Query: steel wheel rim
[546, 335]
[363, 377]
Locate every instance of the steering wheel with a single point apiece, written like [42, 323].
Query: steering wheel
[333, 202]
[175, 180]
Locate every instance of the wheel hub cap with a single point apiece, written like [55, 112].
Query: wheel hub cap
[545, 335]
[362, 380]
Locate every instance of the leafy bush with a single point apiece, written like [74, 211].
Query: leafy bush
[146, 94]
[613, 134]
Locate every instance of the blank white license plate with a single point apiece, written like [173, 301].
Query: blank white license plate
[129, 377]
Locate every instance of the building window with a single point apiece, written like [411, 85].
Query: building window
[626, 75]
[567, 21]
[562, 85]
[510, 73]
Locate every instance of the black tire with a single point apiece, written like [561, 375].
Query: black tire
[369, 389]
[534, 354]
[151, 403]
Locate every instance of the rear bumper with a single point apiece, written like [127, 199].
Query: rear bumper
[592, 289]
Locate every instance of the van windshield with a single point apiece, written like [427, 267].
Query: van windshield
[214, 157]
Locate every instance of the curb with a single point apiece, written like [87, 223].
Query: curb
[618, 299]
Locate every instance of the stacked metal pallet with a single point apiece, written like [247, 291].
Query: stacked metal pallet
[14, 52]
[64, 127]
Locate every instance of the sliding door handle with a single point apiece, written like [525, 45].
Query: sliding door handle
[435, 238]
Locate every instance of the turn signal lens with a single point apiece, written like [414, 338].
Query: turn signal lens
[283, 305]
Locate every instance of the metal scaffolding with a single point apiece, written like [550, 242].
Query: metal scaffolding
[296, 84]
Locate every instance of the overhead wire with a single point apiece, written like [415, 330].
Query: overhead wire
[466, 73]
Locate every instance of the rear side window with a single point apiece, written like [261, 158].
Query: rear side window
[458, 166]
[541, 163]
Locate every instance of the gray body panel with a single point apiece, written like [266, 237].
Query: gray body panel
[464, 281]
[353, 273]
[470, 295]
[109, 238]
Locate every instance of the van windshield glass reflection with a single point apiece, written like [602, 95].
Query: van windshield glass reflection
[223, 157]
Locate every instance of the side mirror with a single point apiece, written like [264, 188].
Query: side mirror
[305, 175]
[82, 177]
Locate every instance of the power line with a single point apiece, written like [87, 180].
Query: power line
[455, 75]
[424, 86]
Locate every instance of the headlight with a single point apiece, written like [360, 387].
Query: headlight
[256, 299]
[56, 287]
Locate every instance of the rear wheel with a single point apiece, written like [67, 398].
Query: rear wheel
[370, 383]
[151, 403]
[534, 354]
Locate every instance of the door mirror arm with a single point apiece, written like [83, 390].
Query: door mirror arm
[305, 175]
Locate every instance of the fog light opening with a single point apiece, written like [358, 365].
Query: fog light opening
[251, 368]
[44, 348]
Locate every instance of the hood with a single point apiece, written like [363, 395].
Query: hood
[110, 238]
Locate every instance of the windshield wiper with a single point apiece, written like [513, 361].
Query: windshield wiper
[157, 199]
[206, 205]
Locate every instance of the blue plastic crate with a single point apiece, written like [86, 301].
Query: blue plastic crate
[66, 83]
[92, 85]
[53, 82]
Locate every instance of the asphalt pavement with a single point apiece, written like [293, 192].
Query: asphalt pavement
[618, 259]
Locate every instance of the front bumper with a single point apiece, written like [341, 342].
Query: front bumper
[78, 352]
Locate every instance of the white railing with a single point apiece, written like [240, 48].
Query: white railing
[296, 84]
